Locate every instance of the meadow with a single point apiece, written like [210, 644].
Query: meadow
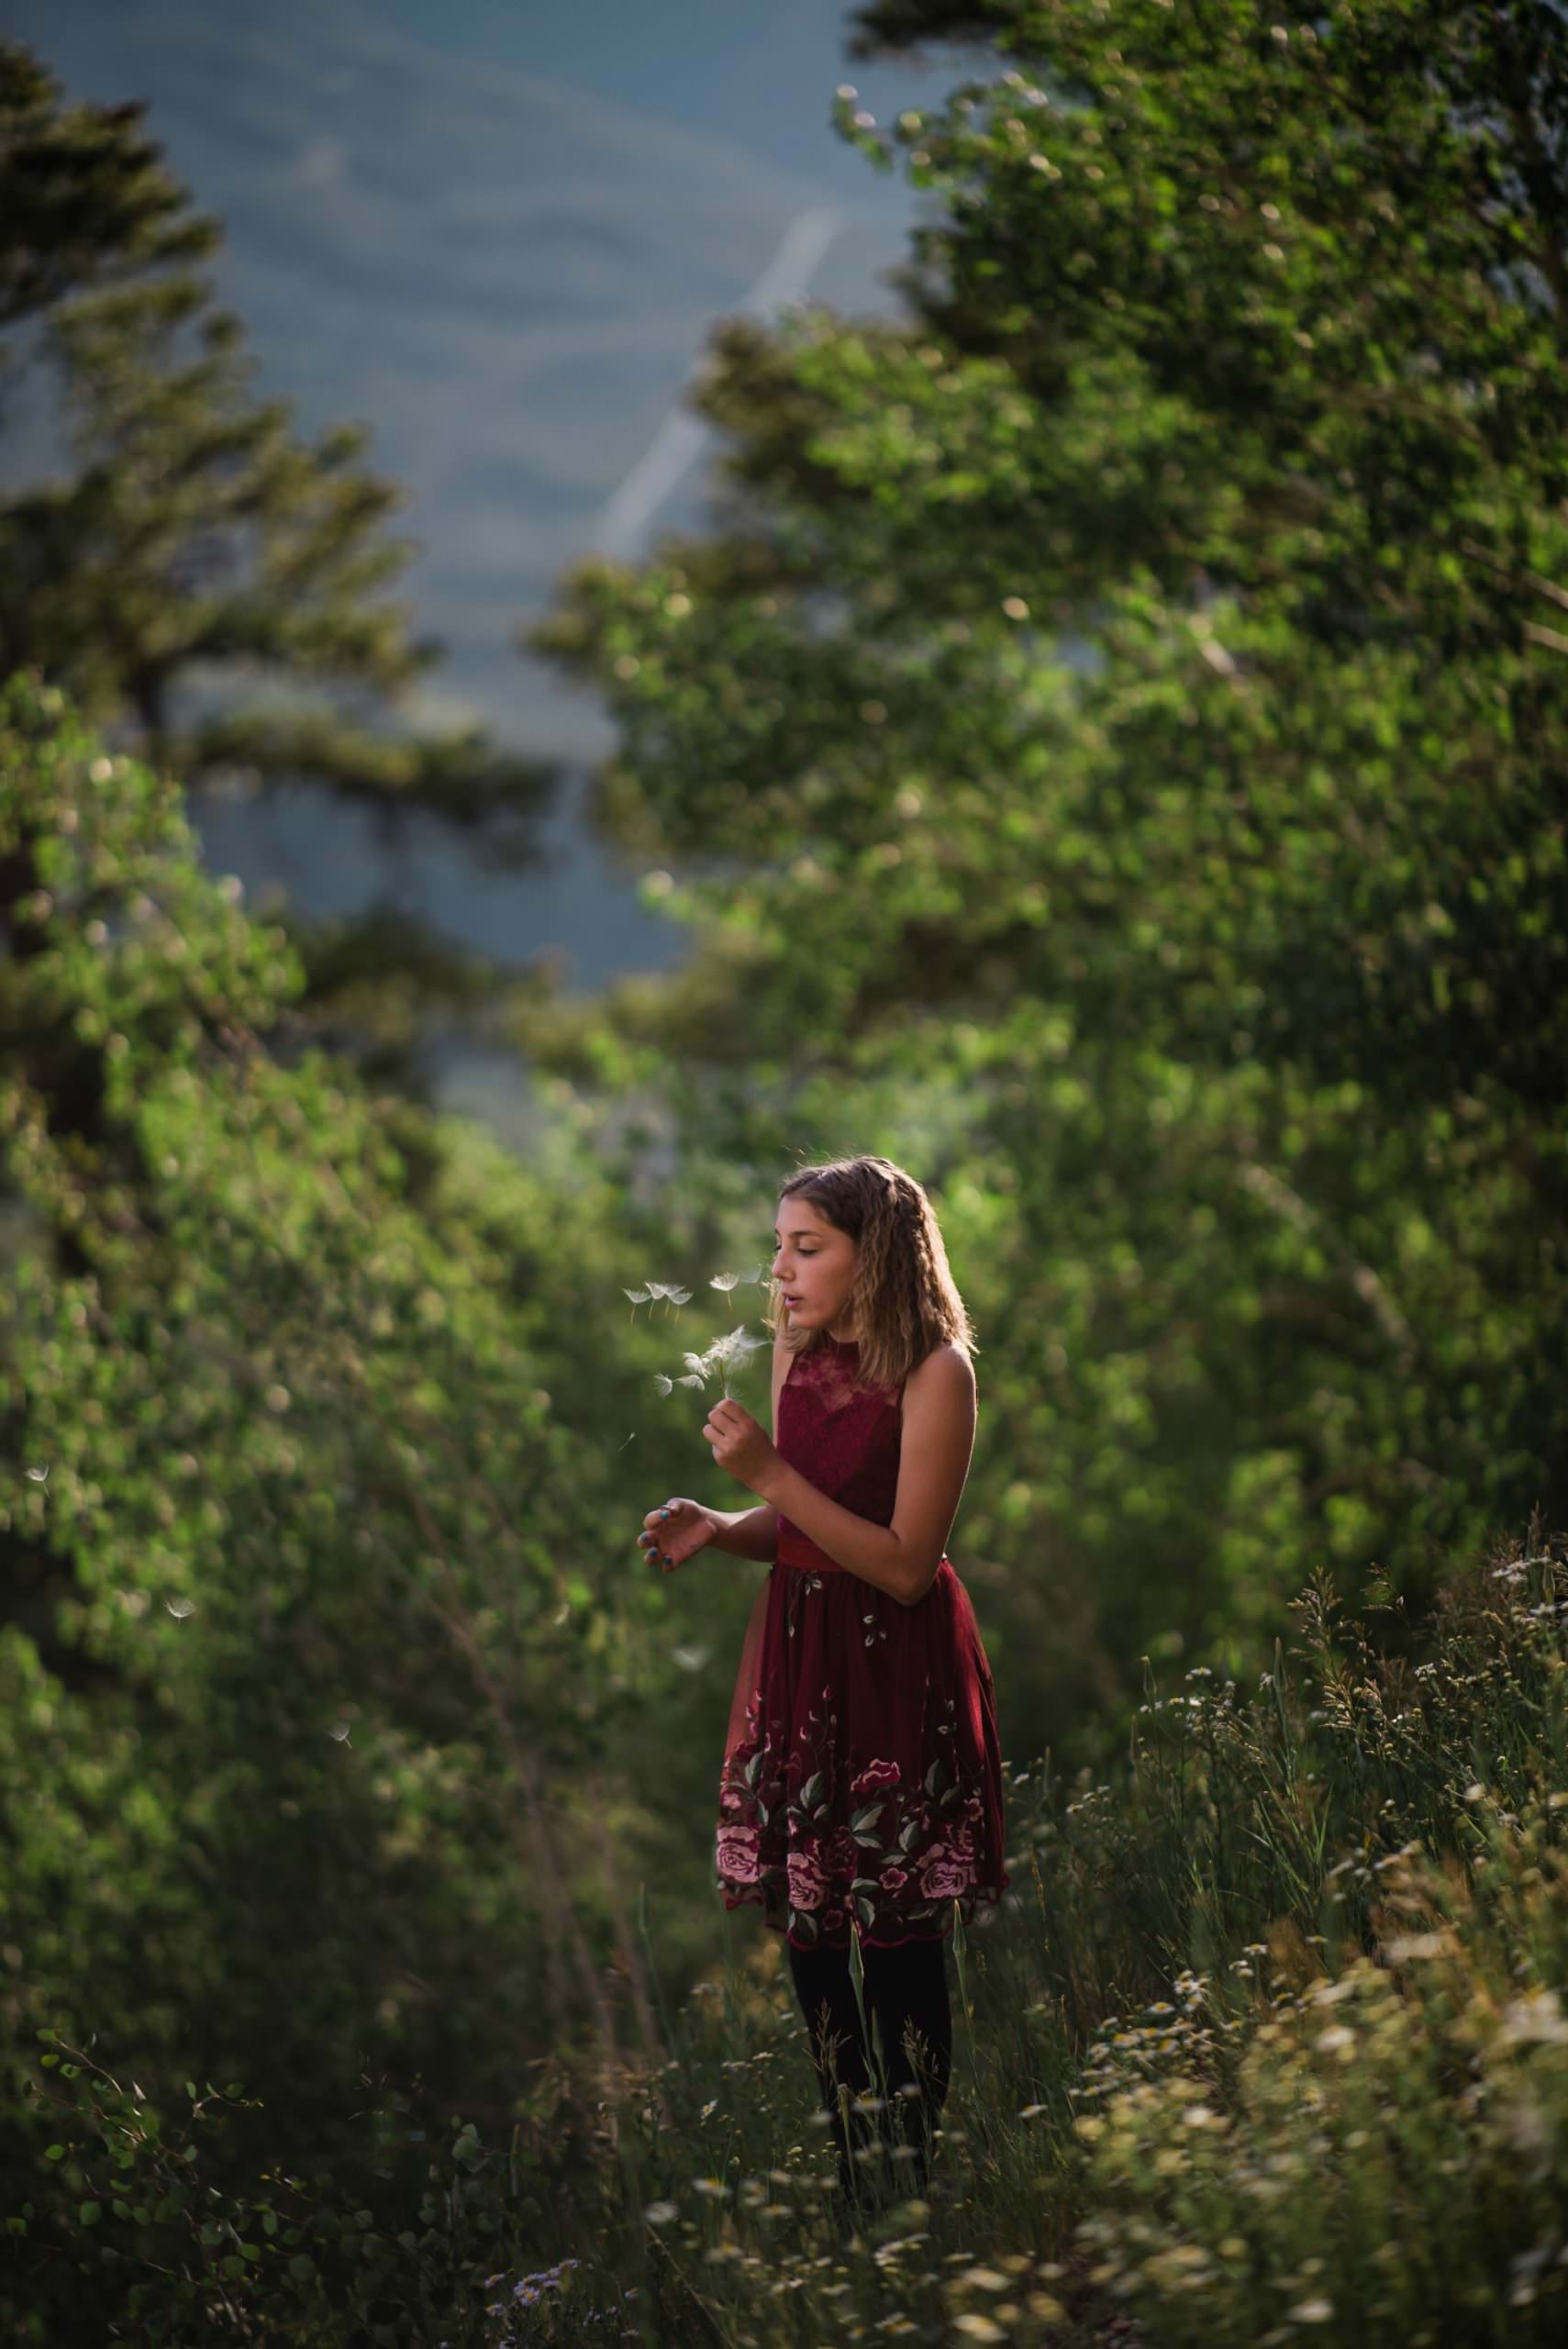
[1266, 2045]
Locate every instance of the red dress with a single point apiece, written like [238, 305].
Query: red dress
[861, 1786]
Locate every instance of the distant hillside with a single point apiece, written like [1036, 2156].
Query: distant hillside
[506, 277]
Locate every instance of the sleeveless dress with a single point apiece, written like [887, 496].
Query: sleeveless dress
[862, 1785]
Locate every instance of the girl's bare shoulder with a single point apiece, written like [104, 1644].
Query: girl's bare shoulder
[946, 1365]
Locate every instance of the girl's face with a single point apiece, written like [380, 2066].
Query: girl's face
[814, 1264]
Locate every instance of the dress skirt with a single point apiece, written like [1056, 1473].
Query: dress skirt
[861, 1791]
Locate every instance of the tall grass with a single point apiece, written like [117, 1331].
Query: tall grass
[1265, 2044]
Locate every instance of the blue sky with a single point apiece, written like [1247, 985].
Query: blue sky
[496, 231]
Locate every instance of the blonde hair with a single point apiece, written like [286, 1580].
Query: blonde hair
[904, 1299]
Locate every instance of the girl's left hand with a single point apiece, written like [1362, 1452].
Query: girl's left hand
[740, 1445]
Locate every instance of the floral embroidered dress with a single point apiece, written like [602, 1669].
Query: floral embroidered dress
[861, 1786]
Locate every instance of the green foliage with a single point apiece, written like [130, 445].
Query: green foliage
[125, 2227]
[1335, 2094]
[312, 1647]
[1123, 702]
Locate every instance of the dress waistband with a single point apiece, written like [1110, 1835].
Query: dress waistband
[798, 1550]
[799, 1553]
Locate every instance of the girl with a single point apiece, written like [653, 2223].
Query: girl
[862, 1786]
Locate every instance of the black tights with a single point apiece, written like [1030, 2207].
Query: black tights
[905, 1989]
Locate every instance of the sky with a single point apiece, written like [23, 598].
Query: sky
[498, 231]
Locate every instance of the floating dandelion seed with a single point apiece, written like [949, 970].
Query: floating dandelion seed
[665, 1386]
[39, 1475]
[725, 1356]
[341, 1731]
[725, 1281]
[180, 1607]
[691, 1659]
[639, 1296]
[730, 1354]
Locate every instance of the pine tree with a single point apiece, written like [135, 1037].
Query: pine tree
[207, 585]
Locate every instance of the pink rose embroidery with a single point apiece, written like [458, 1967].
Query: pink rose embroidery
[943, 1874]
[874, 1774]
[730, 1800]
[895, 1879]
[736, 1853]
[831, 1919]
[841, 1854]
[806, 1884]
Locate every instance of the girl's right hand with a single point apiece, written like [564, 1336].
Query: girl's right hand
[676, 1532]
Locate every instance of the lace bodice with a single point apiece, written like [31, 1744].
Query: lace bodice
[843, 1436]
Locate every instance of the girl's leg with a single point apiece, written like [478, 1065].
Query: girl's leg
[907, 1992]
[839, 2050]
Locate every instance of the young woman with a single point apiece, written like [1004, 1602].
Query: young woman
[862, 1786]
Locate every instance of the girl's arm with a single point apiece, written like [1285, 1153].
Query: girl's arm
[934, 1456]
[746, 1533]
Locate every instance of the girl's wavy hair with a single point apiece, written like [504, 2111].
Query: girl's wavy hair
[903, 1300]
